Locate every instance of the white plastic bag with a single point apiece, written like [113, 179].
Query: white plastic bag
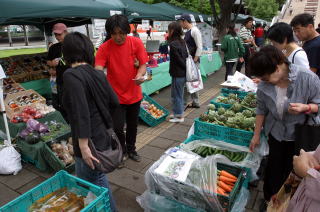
[193, 87]
[10, 160]
[252, 160]
[192, 72]
[198, 188]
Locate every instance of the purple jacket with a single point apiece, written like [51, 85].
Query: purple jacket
[307, 197]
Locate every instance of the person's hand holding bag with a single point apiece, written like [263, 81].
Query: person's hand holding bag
[86, 153]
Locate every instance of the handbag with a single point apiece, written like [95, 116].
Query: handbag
[109, 159]
[192, 73]
[307, 137]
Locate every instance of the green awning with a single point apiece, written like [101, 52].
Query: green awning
[136, 11]
[44, 12]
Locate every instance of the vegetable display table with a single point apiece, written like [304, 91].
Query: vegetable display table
[161, 77]
[41, 86]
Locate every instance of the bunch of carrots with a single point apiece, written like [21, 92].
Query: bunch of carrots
[225, 182]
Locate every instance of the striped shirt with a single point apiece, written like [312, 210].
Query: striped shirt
[245, 34]
[304, 88]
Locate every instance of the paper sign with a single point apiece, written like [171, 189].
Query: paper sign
[210, 57]
[209, 19]
[2, 74]
[145, 24]
[115, 12]
[240, 81]
[99, 24]
[201, 18]
[177, 169]
[177, 17]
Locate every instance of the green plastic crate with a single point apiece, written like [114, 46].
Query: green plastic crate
[240, 94]
[228, 201]
[147, 117]
[222, 133]
[60, 180]
[219, 104]
[55, 163]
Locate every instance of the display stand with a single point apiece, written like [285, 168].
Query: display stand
[3, 110]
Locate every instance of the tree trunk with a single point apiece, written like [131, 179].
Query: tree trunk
[9, 36]
[26, 40]
[224, 18]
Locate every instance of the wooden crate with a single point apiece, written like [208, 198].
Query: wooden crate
[13, 111]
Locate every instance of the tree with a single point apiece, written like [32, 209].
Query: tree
[224, 19]
[201, 6]
[264, 9]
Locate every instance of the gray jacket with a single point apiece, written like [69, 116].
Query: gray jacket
[304, 88]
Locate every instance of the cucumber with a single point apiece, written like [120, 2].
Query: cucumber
[232, 155]
[237, 157]
[204, 153]
[210, 152]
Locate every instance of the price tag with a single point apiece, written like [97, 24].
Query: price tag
[210, 58]
[177, 17]
[115, 12]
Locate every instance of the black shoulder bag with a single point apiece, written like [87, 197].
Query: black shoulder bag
[307, 137]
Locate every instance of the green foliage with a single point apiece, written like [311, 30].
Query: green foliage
[264, 9]
[201, 6]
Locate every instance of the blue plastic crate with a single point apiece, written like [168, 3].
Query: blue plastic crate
[222, 133]
[60, 180]
[147, 117]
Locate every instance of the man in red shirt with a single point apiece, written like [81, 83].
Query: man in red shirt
[118, 55]
[258, 34]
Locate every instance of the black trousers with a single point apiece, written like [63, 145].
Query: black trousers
[128, 114]
[278, 167]
[59, 105]
[246, 60]
[229, 71]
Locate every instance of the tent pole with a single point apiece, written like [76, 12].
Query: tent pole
[3, 110]
[87, 29]
[45, 38]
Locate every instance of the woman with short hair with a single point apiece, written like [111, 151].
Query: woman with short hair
[287, 95]
[88, 100]
[281, 36]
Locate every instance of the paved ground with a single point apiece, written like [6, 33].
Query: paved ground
[128, 183]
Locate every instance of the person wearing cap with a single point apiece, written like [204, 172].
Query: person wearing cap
[193, 40]
[57, 64]
[247, 41]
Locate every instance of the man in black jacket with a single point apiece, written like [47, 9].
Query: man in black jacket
[194, 42]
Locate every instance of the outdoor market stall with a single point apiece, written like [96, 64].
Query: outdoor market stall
[161, 78]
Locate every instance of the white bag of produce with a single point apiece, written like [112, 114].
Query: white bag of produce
[196, 86]
[186, 178]
[226, 153]
[10, 160]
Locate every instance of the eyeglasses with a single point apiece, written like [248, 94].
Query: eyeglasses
[57, 34]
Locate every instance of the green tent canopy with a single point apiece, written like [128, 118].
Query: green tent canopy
[46, 13]
[136, 11]
[179, 11]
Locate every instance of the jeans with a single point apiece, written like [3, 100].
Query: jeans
[259, 41]
[279, 165]
[246, 60]
[177, 89]
[98, 178]
[128, 114]
[229, 67]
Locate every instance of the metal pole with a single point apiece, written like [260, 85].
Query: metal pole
[9, 36]
[3, 110]
[87, 29]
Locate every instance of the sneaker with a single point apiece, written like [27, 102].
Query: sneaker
[125, 157]
[195, 105]
[176, 120]
[134, 156]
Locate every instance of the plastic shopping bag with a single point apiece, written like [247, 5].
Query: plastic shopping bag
[10, 160]
[193, 87]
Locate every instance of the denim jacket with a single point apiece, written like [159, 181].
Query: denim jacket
[304, 87]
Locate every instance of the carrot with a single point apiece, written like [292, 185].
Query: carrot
[226, 179]
[227, 174]
[221, 191]
[224, 186]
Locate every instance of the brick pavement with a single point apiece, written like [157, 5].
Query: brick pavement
[128, 183]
